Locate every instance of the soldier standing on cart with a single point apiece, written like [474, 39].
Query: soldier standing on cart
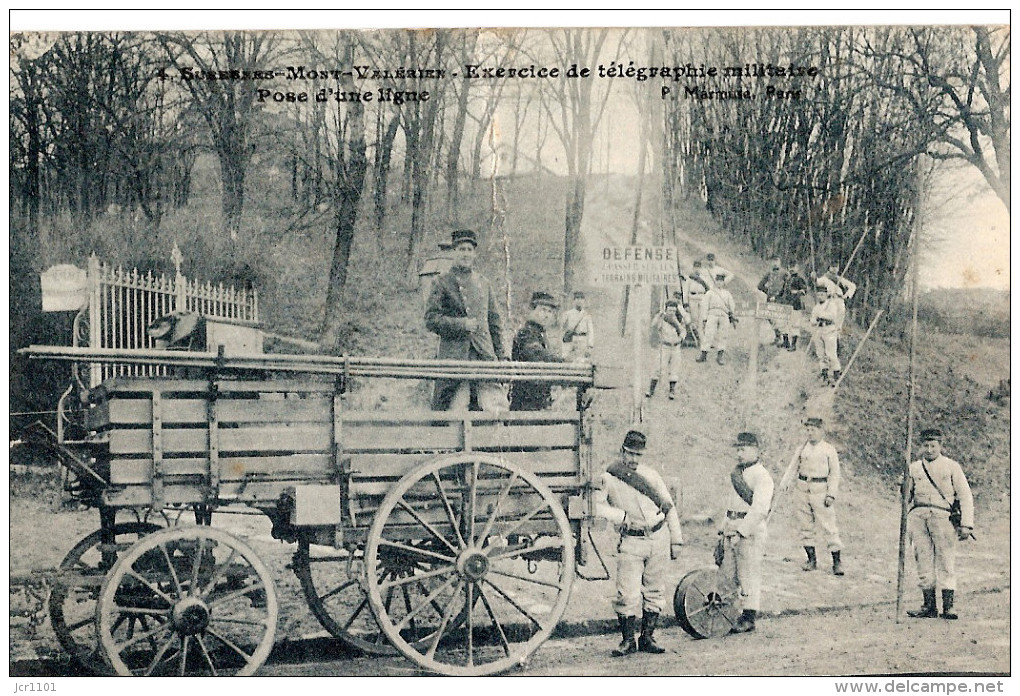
[744, 528]
[634, 497]
[462, 310]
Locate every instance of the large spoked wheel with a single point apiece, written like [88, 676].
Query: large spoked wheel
[491, 559]
[187, 601]
[706, 606]
[333, 584]
[72, 603]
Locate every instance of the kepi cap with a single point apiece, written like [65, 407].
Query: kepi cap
[931, 434]
[541, 297]
[459, 236]
[746, 440]
[578, 295]
[634, 441]
[813, 422]
[672, 303]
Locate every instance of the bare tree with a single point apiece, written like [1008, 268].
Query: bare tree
[229, 106]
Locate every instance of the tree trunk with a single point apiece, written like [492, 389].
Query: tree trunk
[572, 248]
[383, 155]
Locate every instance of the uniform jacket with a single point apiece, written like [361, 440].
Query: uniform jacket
[755, 518]
[773, 284]
[796, 288]
[832, 311]
[948, 474]
[670, 326]
[717, 301]
[581, 326]
[614, 498]
[530, 345]
[815, 461]
[457, 295]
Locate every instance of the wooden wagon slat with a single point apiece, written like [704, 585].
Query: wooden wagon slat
[381, 438]
[261, 438]
[396, 466]
[193, 411]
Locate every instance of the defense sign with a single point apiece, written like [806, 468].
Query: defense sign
[637, 265]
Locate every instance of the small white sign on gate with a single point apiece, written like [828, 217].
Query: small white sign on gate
[64, 288]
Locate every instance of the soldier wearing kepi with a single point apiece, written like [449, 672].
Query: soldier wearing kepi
[815, 466]
[827, 315]
[579, 331]
[669, 323]
[530, 345]
[935, 483]
[745, 526]
[462, 310]
[634, 497]
[717, 313]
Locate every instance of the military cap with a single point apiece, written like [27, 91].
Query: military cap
[813, 422]
[697, 263]
[578, 295]
[634, 441]
[710, 257]
[540, 297]
[931, 434]
[746, 440]
[720, 276]
[459, 236]
[672, 303]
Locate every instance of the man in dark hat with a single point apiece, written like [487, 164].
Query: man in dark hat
[815, 466]
[530, 345]
[773, 286]
[462, 310]
[796, 289]
[744, 528]
[827, 316]
[633, 496]
[578, 331]
[936, 483]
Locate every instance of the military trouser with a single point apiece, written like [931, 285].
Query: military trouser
[669, 363]
[827, 347]
[716, 326]
[641, 566]
[491, 396]
[934, 541]
[742, 566]
[812, 514]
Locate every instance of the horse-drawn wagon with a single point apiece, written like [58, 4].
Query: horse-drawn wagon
[449, 537]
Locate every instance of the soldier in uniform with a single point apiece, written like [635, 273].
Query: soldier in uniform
[838, 285]
[827, 316]
[578, 331]
[815, 465]
[935, 483]
[462, 310]
[774, 285]
[698, 283]
[633, 496]
[796, 289]
[530, 345]
[669, 323]
[717, 310]
[744, 527]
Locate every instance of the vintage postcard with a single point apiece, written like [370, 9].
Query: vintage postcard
[481, 348]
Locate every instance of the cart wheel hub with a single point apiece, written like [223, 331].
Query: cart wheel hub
[190, 616]
[473, 564]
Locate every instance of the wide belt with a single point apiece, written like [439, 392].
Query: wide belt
[734, 515]
[813, 479]
[645, 532]
[929, 505]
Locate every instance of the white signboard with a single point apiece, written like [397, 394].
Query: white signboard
[637, 265]
[64, 288]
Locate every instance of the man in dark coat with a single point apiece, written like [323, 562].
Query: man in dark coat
[462, 311]
[530, 345]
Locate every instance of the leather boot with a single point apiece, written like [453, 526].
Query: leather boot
[825, 375]
[835, 376]
[745, 624]
[793, 342]
[672, 390]
[720, 358]
[703, 357]
[627, 645]
[651, 388]
[646, 643]
[837, 564]
[786, 341]
[947, 605]
[927, 610]
[812, 562]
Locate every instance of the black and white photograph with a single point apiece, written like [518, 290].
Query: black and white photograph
[542, 344]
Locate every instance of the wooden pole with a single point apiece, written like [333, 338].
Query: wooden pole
[911, 372]
[638, 320]
[874, 323]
